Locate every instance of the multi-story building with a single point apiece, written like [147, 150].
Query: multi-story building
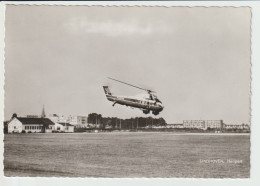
[78, 120]
[73, 120]
[203, 124]
[198, 124]
[214, 124]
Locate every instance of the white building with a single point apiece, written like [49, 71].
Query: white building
[175, 126]
[214, 124]
[237, 126]
[73, 120]
[64, 127]
[203, 124]
[54, 118]
[30, 125]
[198, 124]
[78, 120]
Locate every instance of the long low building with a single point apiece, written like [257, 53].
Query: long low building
[203, 124]
[30, 125]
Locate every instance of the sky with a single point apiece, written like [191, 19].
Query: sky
[196, 59]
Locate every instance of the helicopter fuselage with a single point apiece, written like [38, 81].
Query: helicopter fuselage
[144, 104]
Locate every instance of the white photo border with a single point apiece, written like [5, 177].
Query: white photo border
[254, 179]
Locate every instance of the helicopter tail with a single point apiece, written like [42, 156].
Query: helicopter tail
[107, 91]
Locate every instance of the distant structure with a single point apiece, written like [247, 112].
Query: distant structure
[237, 126]
[175, 126]
[203, 124]
[78, 120]
[43, 112]
[73, 120]
[33, 116]
[29, 125]
[198, 124]
[208, 124]
[64, 127]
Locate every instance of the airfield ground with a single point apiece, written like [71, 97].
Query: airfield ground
[128, 154]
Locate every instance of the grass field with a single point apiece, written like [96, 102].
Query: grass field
[128, 154]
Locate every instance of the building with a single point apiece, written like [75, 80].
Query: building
[203, 124]
[194, 124]
[29, 125]
[78, 120]
[237, 126]
[54, 118]
[73, 120]
[64, 127]
[59, 119]
[33, 116]
[175, 126]
[214, 124]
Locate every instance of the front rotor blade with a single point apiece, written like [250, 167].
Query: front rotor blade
[129, 84]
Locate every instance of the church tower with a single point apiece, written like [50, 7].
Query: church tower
[43, 112]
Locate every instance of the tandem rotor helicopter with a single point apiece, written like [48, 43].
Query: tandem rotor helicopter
[146, 102]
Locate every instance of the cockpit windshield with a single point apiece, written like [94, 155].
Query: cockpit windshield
[157, 100]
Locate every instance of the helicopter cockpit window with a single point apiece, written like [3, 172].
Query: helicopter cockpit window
[157, 100]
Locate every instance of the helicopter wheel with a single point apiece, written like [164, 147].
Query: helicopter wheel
[146, 111]
[155, 113]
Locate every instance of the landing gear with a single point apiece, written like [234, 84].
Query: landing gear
[146, 111]
[155, 113]
[114, 104]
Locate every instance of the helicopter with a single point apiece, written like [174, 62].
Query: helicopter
[146, 102]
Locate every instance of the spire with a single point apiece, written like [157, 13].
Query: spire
[43, 112]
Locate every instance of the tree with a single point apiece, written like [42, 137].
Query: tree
[95, 118]
[162, 122]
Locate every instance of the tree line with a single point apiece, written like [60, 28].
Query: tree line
[131, 123]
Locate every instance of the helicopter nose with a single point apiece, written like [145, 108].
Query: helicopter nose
[161, 106]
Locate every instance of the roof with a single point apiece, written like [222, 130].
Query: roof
[30, 121]
[67, 124]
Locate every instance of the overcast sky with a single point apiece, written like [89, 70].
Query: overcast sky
[196, 59]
